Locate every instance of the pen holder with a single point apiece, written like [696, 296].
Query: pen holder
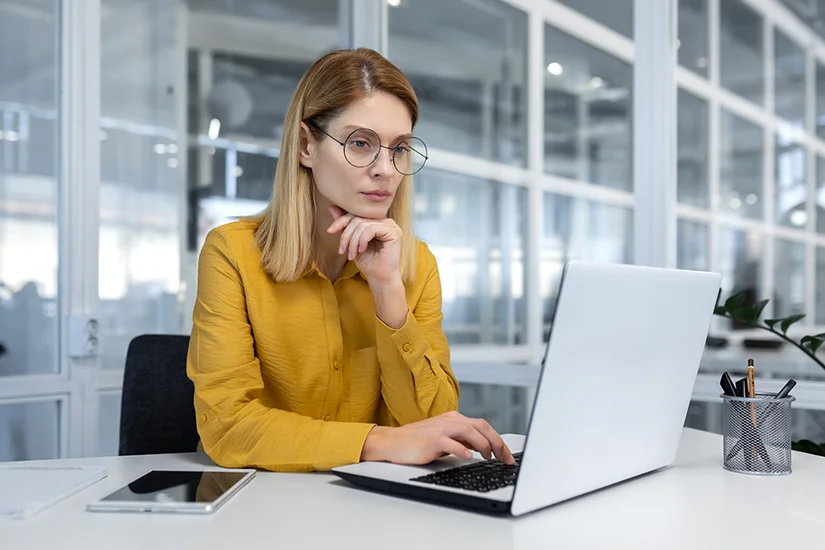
[757, 434]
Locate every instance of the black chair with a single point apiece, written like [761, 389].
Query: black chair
[157, 414]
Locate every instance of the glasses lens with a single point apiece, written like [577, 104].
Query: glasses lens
[362, 147]
[409, 156]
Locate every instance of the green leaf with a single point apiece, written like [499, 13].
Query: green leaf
[735, 302]
[788, 321]
[771, 322]
[720, 310]
[749, 314]
[813, 343]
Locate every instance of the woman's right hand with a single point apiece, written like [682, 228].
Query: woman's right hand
[427, 440]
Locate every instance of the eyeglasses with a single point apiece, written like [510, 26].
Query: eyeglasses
[362, 147]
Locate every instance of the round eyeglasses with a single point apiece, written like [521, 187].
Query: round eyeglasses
[362, 147]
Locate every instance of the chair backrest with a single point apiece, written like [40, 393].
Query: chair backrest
[157, 413]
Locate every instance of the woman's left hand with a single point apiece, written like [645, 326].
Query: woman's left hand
[374, 245]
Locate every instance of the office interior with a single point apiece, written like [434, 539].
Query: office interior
[120, 150]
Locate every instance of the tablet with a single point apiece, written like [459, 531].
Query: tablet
[176, 491]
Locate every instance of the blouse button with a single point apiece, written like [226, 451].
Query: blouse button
[203, 419]
[337, 364]
[407, 347]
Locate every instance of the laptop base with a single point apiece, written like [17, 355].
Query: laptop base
[425, 494]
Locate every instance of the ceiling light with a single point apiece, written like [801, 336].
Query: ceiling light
[172, 148]
[702, 62]
[394, 3]
[751, 199]
[214, 128]
[799, 218]
[172, 162]
[238, 171]
[12, 135]
[160, 148]
[596, 82]
[555, 68]
[735, 203]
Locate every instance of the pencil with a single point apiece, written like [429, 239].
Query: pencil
[751, 387]
[752, 395]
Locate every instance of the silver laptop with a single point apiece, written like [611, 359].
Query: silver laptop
[612, 397]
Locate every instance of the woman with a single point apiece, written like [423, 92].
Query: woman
[317, 337]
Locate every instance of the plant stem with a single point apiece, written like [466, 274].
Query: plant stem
[784, 337]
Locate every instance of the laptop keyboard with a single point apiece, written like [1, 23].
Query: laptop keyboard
[478, 476]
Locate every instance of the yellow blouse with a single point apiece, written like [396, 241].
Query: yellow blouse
[293, 376]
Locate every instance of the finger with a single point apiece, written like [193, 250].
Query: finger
[340, 221]
[365, 236]
[364, 239]
[449, 445]
[355, 241]
[347, 234]
[496, 442]
[470, 436]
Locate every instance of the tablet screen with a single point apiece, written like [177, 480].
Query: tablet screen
[177, 486]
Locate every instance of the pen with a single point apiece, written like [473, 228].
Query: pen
[742, 387]
[727, 385]
[786, 389]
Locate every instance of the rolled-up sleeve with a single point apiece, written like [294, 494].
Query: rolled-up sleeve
[416, 379]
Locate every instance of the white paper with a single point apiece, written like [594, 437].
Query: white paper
[26, 490]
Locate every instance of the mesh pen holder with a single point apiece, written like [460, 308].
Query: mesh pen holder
[757, 434]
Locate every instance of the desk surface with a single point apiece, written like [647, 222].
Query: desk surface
[693, 504]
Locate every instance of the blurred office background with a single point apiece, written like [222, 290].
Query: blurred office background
[119, 150]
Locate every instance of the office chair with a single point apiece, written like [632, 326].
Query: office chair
[157, 413]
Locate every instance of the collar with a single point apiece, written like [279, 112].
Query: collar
[350, 271]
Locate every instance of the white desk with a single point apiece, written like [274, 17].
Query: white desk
[692, 505]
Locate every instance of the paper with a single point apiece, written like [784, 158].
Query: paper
[26, 490]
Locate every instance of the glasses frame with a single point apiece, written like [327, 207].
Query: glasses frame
[343, 145]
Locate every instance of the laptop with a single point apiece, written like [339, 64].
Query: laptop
[611, 401]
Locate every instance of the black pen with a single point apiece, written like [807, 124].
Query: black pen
[786, 389]
[742, 387]
[727, 385]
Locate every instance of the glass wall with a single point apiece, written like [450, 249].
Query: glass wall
[468, 63]
[587, 112]
[30, 428]
[29, 168]
[742, 50]
[141, 198]
[244, 61]
[616, 14]
[475, 229]
[761, 208]
[753, 128]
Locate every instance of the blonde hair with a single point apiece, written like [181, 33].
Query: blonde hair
[287, 227]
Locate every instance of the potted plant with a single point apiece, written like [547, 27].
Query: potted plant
[750, 315]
